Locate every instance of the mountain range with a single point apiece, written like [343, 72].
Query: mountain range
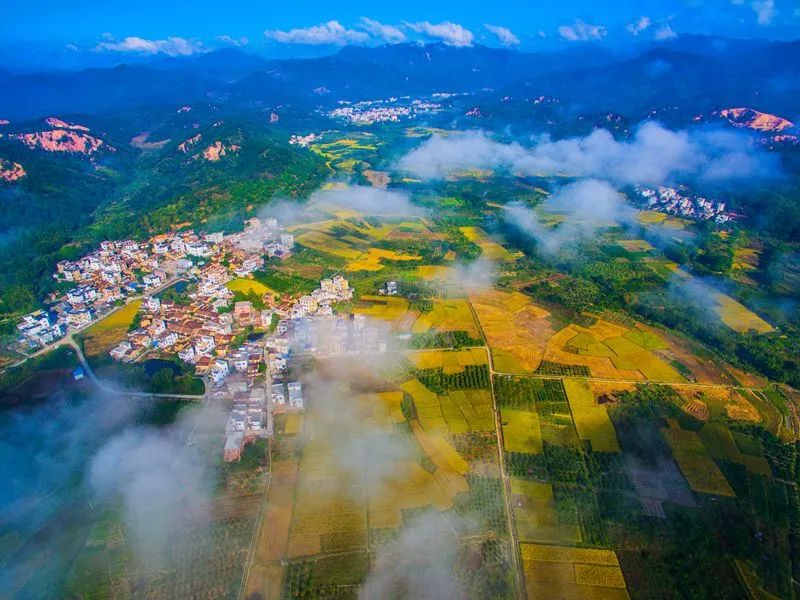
[697, 72]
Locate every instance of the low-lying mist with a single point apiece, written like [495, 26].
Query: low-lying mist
[653, 155]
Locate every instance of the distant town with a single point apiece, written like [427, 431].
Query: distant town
[390, 110]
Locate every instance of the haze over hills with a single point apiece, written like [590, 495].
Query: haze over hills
[702, 73]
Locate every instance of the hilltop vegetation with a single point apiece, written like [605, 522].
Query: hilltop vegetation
[69, 204]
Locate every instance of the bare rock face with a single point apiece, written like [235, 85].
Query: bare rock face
[61, 140]
[63, 137]
[11, 171]
[57, 123]
[217, 150]
[752, 119]
[187, 145]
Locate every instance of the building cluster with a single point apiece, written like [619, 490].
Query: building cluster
[102, 280]
[678, 201]
[248, 420]
[232, 345]
[391, 110]
[304, 141]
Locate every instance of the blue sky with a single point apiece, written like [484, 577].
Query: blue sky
[114, 30]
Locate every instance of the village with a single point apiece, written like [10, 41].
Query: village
[241, 352]
[678, 201]
[390, 110]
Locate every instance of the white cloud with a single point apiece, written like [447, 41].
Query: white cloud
[639, 25]
[232, 41]
[765, 11]
[331, 32]
[450, 33]
[665, 32]
[504, 34]
[172, 46]
[366, 199]
[582, 32]
[387, 33]
[587, 205]
[652, 156]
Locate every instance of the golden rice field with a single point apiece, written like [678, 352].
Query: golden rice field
[345, 153]
[700, 470]
[738, 317]
[521, 432]
[294, 423]
[450, 361]
[111, 330]
[247, 286]
[535, 516]
[612, 351]
[591, 419]
[651, 217]
[457, 411]
[371, 259]
[516, 330]
[489, 248]
[434, 272]
[636, 245]
[567, 572]
[266, 573]
[389, 308]
[447, 315]
[322, 242]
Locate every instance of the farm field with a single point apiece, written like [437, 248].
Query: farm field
[372, 259]
[613, 351]
[650, 217]
[572, 573]
[388, 308]
[345, 153]
[450, 361]
[447, 315]
[695, 463]
[111, 330]
[591, 419]
[738, 317]
[489, 248]
[516, 329]
[339, 512]
[248, 286]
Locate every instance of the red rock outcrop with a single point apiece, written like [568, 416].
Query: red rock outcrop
[11, 171]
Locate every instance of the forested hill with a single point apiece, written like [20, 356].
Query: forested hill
[189, 168]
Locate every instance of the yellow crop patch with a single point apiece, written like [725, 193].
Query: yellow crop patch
[371, 260]
[516, 329]
[447, 315]
[317, 240]
[738, 317]
[571, 573]
[248, 286]
[294, 423]
[521, 432]
[591, 419]
[700, 470]
[111, 330]
[636, 245]
[451, 361]
[489, 248]
[389, 308]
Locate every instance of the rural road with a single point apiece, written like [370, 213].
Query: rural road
[69, 340]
